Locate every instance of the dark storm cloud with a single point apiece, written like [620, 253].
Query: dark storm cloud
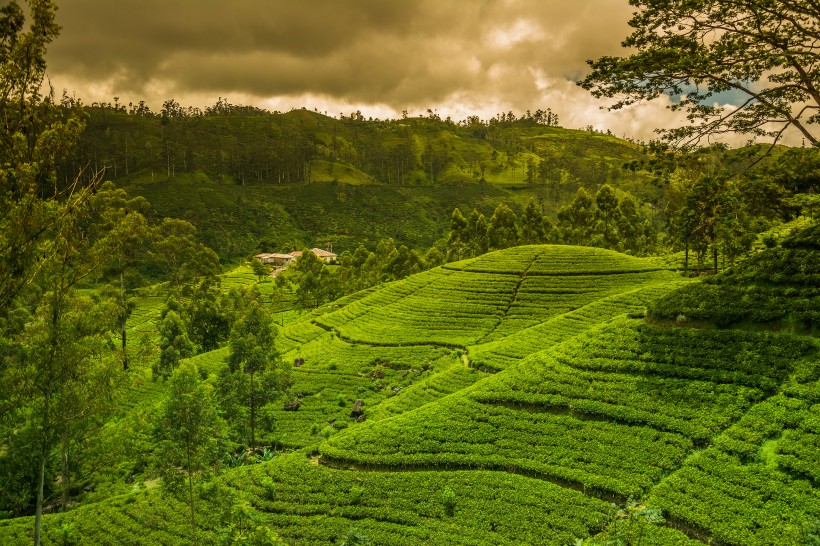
[138, 41]
[460, 57]
[374, 51]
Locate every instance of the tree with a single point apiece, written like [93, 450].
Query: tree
[119, 220]
[61, 370]
[208, 314]
[174, 344]
[179, 255]
[575, 220]
[476, 234]
[64, 375]
[189, 434]
[259, 269]
[433, 258]
[502, 231]
[402, 263]
[61, 366]
[607, 204]
[762, 51]
[628, 223]
[252, 379]
[532, 224]
[34, 137]
[606, 212]
[458, 233]
[312, 279]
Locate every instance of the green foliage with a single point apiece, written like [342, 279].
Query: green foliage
[777, 286]
[532, 225]
[36, 136]
[178, 255]
[752, 489]
[354, 537]
[174, 344]
[635, 398]
[188, 433]
[670, 56]
[502, 231]
[240, 211]
[476, 236]
[449, 499]
[254, 377]
[458, 235]
[259, 269]
[576, 219]
[577, 405]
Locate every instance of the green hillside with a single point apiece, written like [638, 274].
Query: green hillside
[256, 181]
[776, 289]
[507, 399]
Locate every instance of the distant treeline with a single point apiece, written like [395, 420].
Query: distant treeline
[248, 144]
[603, 221]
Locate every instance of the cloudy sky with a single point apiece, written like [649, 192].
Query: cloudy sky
[458, 57]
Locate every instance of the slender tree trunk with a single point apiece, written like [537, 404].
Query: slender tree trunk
[123, 321]
[191, 495]
[65, 471]
[38, 511]
[38, 514]
[253, 414]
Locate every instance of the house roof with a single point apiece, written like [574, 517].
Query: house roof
[322, 253]
[316, 251]
[273, 255]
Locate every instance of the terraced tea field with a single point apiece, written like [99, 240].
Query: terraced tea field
[518, 398]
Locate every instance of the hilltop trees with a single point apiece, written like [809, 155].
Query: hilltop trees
[576, 219]
[533, 227]
[458, 234]
[763, 52]
[502, 231]
[604, 221]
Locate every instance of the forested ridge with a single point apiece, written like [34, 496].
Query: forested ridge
[530, 334]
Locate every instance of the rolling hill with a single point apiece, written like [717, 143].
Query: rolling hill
[259, 181]
[520, 397]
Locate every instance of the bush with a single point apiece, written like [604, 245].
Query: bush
[448, 499]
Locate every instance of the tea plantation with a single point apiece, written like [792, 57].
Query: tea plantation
[521, 397]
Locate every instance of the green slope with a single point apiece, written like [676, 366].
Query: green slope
[511, 399]
[254, 183]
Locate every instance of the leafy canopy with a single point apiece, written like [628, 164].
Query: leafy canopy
[764, 51]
